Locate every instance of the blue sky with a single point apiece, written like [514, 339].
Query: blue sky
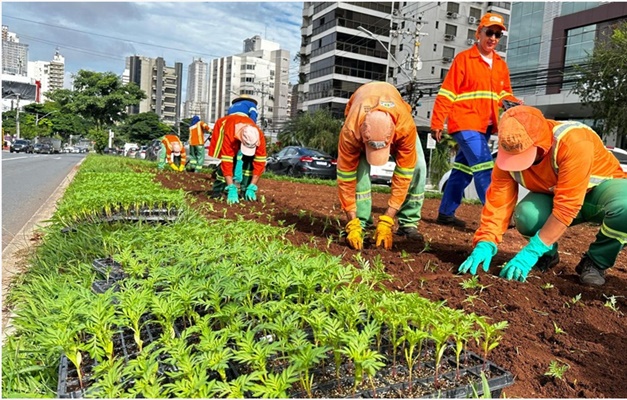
[98, 36]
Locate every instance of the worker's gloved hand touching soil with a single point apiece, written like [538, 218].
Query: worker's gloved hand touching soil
[383, 234]
[250, 194]
[231, 194]
[355, 235]
[519, 266]
[483, 253]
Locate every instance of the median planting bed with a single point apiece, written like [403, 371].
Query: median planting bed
[265, 300]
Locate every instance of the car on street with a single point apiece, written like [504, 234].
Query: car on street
[470, 193]
[43, 148]
[383, 174]
[141, 153]
[302, 161]
[152, 150]
[21, 146]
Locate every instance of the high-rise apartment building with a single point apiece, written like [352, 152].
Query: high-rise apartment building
[197, 94]
[57, 71]
[14, 54]
[336, 54]
[162, 85]
[261, 71]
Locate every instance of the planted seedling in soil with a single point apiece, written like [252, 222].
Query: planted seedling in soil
[556, 370]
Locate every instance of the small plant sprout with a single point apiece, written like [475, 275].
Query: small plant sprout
[491, 334]
[426, 248]
[558, 330]
[406, 257]
[611, 303]
[431, 266]
[471, 283]
[547, 286]
[557, 370]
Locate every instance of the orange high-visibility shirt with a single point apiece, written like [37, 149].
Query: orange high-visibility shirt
[167, 142]
[384, 97]
[581, 161]
[471, 93]
[197, 133]
[225, 146]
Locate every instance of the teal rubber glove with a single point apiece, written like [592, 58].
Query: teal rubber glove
[483, 253]
[519, 266]
[250, 192]
[231, 194]
[238, 173]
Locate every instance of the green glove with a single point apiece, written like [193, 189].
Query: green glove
[250, 192]
[238, 173]
[231, 194]
[483, 253]
[519, 266]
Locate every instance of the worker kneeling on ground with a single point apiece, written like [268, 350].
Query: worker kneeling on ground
[379, 123]
[572, 178]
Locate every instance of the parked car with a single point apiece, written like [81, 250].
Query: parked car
[43, 148]
[470, 192]
[152, 150]
[141, 153]
[21, 146]
[302, 161]
[383, 174]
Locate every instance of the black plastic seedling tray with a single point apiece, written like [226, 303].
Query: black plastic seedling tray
[109, 269]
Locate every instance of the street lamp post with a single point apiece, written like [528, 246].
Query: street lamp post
[37, 118]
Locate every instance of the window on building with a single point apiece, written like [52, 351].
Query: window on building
[400, 47]
[471, 34]
[443, 73]
[452, 7]
[428, 114]
[502, 4]
[437, 24]
[451, 30]
[448, 52]
[435, 47]
[432, 70]
[476, 13]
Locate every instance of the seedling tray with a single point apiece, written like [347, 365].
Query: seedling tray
[109, 269]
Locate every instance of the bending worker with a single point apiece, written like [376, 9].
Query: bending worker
[242, 105]
[197, 130]
[231, 134]
[172, 152]
[379, 123]
[572, 179]
[470, 96]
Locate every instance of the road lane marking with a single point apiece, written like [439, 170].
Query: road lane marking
[10, 159]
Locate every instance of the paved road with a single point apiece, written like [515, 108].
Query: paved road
[28, 180]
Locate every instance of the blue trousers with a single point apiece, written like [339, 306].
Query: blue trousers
[473, 160]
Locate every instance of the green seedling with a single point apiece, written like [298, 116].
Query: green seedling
[547, 286]
[558, 330]
[426, 248]
[556, 370]
[406, 257]
[611, 303]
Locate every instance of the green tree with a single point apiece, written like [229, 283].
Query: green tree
[99, 97]
[319, 130]
[142, 128]
[603, 82]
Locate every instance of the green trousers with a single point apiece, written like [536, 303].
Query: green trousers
[197, 157]
[409, 213]
[219, 185]
[606, 204]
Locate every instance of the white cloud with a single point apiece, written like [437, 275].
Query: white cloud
[99, 36]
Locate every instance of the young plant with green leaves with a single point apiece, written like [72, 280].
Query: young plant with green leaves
[134, 304]
[365, 360]
[304, 357]
[557, 370]
[491, 335]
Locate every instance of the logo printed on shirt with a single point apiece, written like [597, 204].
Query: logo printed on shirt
[387, 104]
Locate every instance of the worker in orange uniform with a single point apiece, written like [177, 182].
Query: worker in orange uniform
[379, 123]
[470, 97]
[231, 134]
[172, 152]
[572, 179]
[197, 130]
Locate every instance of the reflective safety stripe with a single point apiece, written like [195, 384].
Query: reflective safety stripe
[518, 177]
[482, 167]
[227, 158]
[346, 176]
[463, 168]
[447, 93]
[504, 94]
[220, 142]
[247, 173]
[480, 94]
[415, 197]
[363, 196]
[259, 159]
[614, 234]
[404, 173]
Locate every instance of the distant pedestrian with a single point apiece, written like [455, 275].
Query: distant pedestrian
[197, 131]
[469, 98]
[572, 178]
[379, 124]
[172, 152]
[231, 134]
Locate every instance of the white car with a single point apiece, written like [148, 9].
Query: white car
[470, 192]
[383, 174]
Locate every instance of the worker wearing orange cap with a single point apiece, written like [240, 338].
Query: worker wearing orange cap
[469, 101]
[572, 179]
[379, 123]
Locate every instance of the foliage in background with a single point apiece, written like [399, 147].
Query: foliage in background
[603, 81]
[319, 130]
[441, 158]
[142, 128]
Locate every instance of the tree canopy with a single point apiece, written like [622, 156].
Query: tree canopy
[142, 128]
[603, 83]
[319, 130]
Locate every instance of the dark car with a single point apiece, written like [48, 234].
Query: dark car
[21, 145]
[43, 148]
[303, 161]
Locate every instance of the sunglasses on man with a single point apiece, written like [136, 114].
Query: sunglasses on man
[496, 34]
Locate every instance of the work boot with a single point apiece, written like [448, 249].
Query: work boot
[589, 273]
[450, 220]
[546, 262]
[411, 232]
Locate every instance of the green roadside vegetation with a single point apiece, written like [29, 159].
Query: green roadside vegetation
[214, 293]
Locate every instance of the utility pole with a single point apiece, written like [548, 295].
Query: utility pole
[17, 117]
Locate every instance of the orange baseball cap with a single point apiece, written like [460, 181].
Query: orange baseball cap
[248, 135]
[521, 132]
[492, 19]
[376, 132]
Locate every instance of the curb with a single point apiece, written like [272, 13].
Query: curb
[21, 242]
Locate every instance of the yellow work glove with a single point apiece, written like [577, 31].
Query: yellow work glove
[355, 235]
[383, 234]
